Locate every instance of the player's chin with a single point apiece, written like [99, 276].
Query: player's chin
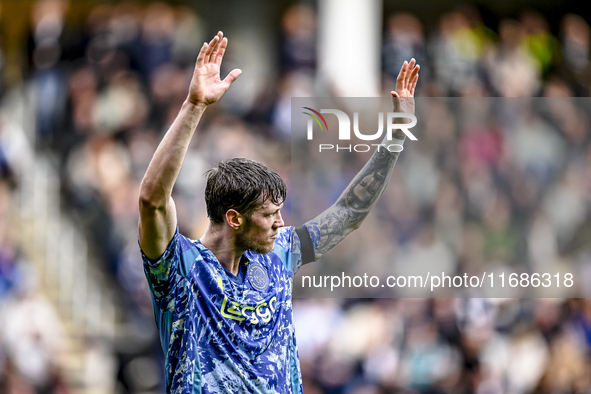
[265, 249]
[269, 248]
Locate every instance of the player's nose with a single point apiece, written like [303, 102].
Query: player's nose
[279, 220]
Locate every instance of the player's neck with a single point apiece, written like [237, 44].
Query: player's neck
[222, 245]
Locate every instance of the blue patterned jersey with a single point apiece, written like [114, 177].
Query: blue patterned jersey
[222, 334]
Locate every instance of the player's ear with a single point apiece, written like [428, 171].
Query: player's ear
[234, 219]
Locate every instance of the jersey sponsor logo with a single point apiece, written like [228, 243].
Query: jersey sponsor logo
[253, 314]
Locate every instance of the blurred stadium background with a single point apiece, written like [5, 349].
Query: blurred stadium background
[87, 89]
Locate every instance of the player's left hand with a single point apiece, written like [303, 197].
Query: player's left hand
[403, 96]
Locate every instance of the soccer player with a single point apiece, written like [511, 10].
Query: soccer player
[223, 302]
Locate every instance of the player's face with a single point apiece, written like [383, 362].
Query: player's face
[365, 190]
[260, 230]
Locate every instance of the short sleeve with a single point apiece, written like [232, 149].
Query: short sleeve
[163, 274]
[290, 243]
[314, 234]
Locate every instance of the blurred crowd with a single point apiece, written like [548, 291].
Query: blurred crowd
[492, 183]
[102, 94]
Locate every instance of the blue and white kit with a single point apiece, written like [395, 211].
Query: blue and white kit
[223, 333]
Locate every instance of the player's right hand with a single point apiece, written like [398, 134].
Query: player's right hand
[206, 85]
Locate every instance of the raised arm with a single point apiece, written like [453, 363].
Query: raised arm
[158, 220]
[361, 195]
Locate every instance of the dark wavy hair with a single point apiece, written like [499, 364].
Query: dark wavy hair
[243, 185]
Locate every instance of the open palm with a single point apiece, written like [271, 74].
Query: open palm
[206, 85]
[403, 98]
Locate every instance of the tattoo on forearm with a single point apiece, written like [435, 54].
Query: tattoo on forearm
[356, 201]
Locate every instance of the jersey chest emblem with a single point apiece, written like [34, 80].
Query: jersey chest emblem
[258, 277]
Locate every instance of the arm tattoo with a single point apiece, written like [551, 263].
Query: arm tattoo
[360, 196]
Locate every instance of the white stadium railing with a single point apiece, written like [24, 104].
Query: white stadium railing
[54, 245]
